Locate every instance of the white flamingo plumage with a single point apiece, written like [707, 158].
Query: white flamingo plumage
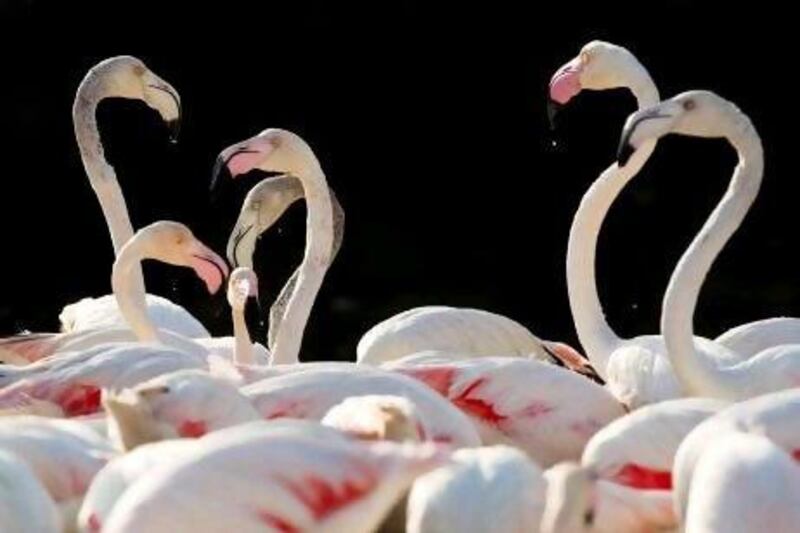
[459, 330]
[310, 394]
[744, 484]
[25, 505]
[773, 416]
[119, 473]
[549, 412]
[265, 480]
[187, 403]
[494, 488]
[64, 455]
[627, 467]
[377, 417]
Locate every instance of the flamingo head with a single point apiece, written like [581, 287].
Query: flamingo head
[693, 113]
[187, 403]
[263, 206]
[598, 66]
[174, 243]
[272, 150]
[377, 417]
[242, 285]
[570, 506]
[129, 77]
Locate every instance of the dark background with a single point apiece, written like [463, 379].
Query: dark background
[429, 120]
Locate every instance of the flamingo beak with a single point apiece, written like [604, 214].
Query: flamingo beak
[564, 85]
[209, 267]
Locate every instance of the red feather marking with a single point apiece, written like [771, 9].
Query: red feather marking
[537, 409]
[421, 431]
[439, 378]
[288, 409]
[77, 400]
[192, 429]
[276, 522]
[477, 407]
[94, 524]
[323, 498]
[642, 477]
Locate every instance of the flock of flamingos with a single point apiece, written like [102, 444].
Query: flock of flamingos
[134, 419]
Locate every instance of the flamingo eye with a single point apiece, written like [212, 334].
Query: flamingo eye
[688, 105]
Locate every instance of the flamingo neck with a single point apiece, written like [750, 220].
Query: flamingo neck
[101, 174]
[243, 353]
[700, 375]
[594, 332]
[319, 245]
[132, 304]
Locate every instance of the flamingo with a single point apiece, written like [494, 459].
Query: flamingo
[494, 488]
[70, 382]
[464, 331]
[252, 480]
[121, 472]
[159, 240]
[263, 206]
[25, 505]
[626, 469]
[547, 411]
[599, 66]
[188, 403]
[773, 416]
[125, 77]
[377, 417]
[242, 290]
[704, 114]
[577, 501]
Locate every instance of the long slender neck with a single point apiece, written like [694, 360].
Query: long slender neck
[243, 353]
[319, 244]
[131, 303]
[698, 374]
[101, 175]
[594, 332]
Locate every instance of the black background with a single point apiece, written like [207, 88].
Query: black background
[429, 121]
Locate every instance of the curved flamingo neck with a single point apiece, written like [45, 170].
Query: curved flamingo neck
[101, 175]
[319, 245]
[594, 332]
[243, 353]
[700, 375]
[132, 304]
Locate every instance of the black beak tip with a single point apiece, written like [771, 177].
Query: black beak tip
[553, 108]
[624, 152]
[216, 174]
[174, 130]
